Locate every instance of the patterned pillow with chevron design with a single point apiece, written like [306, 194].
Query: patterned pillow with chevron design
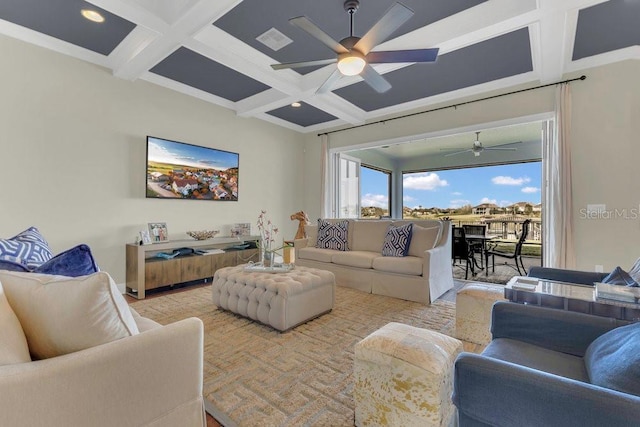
[28, 248]
[397, 241]
[332, 236]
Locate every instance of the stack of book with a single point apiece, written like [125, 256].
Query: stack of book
[618, 293]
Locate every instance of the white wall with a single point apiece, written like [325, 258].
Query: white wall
[72, 145]
[606, 125]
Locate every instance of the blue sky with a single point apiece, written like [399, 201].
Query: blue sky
[164, 151]
[502, 185]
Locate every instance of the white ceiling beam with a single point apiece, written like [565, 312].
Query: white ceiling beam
[201, 15]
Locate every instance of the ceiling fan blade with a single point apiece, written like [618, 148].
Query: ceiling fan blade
[305, 24]
[328, 84]
[413, 55]
[458, 152]
[374, 79]
[501, 149]
[391, 21]
[303, 64]
[503, 145]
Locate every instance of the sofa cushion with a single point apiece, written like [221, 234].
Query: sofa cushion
[62, 315]
[397, 240]
[360, 259]
[368, 235]
[13, 343]
[613, 359]
[316, 254]
[74, 262]
[333, 236]
[423, 239]
[409, 265]
[619, 277]
[29, 247]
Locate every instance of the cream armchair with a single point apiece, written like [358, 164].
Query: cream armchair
[150, 379]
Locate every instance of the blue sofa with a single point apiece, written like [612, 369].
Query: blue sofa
[547, 367]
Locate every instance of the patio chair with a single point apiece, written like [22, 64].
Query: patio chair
[478, 246]
[462, 251]
[515, 255]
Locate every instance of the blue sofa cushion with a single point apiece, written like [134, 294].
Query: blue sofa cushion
[613, 359]
[74, 262]
[28, 246]
[397, 240]
[333, 236]
[619, 277]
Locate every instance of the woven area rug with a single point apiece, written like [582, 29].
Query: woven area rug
[254, 375]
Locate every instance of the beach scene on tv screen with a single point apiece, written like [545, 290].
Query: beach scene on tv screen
[177, 170]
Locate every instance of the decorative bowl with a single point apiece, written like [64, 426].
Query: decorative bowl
[203, 234]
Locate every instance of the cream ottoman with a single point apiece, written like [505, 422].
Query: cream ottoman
[404, 377]
[280, 300]
[474, 303]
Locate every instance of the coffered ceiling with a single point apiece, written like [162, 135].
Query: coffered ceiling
[209, 49]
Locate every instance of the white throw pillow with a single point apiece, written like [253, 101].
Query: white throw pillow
[13, 344]
[61, 315]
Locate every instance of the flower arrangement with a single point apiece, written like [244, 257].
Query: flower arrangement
[267, 231]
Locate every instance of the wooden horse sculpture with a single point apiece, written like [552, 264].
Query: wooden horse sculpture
[304, 220]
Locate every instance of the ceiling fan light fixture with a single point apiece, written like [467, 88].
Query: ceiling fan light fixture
[352, 63]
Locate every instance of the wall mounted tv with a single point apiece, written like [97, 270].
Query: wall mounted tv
[176, 170]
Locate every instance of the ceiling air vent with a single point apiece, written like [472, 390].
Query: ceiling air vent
[274, 39]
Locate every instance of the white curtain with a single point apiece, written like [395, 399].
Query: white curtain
[558, 206]
[325, 193]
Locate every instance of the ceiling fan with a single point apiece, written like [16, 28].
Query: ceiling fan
[354, 54]
[478, 148]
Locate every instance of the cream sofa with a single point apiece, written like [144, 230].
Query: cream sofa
[152, 377]
[422, 276]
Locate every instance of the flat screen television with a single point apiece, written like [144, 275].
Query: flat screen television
[176, 170]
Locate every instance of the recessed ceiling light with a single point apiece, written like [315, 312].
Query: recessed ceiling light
[296, 104]
[92, 15]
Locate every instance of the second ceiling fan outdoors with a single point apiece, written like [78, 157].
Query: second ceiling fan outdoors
[354, 54]
[478, 148]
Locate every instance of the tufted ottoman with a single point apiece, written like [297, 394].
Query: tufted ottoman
[474, 303]
[280, 300]
[404, 377]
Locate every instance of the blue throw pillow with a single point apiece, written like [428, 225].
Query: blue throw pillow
[74, 262]
[6, 264]
[613, 359]
[397, 240]
[332, 236]
[619, 277]
[29, 246]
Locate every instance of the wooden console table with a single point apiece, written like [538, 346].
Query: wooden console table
[145, 271]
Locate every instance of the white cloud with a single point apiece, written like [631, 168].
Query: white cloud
[424, 181]
[530, 190]
[408, 199]
[458, 203]
[377, 200]
[505, 203]
[456, 193]
[488, 200]
[508, 180]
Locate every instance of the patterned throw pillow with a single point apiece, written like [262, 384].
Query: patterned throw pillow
[397, 241]
[29, 247]
[620, 277]
[332, 236]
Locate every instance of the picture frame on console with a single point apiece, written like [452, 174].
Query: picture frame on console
[158, 232]
[145, 237]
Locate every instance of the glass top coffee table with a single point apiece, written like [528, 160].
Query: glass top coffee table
[568, 296]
